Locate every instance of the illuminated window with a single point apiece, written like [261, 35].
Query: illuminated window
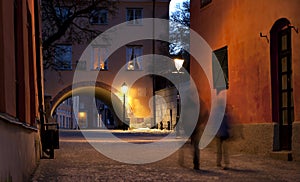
[99, 17]
[133, 59]
[63, 57]
[134, 16]
[205, 2]
[82, 119]
[219, 70]
[99, 58]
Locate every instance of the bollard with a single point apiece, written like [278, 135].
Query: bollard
[161, 125]
[169, 125]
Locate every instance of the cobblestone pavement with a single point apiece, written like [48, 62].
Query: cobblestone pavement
[77, 160]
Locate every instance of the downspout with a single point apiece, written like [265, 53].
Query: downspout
[39, 64]
[16, 58]
[153, 53]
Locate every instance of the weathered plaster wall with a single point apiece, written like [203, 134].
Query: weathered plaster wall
[19, 151]
[238, 24]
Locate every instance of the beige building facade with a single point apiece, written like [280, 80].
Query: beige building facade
[58, 84]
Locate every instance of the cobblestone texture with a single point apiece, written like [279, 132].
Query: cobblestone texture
[79, 161]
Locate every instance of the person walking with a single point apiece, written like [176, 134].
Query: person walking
[222, 144]
[194, 128]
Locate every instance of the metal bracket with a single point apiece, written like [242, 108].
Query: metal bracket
[261, 35]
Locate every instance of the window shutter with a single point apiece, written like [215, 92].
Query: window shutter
[220, 72]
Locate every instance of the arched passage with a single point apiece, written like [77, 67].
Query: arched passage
[99, 90]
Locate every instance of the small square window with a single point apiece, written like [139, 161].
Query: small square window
[133, 58]
[63, 57]
[99, 17]
[99, 59]
[134, 16]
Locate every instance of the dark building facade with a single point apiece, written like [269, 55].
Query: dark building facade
[21, 89]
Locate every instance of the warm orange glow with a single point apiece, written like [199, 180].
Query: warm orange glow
[82, 114]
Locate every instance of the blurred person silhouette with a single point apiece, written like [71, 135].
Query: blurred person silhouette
[197, 131]
[195, 141]
[222, 137]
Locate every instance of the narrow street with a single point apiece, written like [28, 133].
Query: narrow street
[77, 160]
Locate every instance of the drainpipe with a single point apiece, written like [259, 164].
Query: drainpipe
[153, 76]
[39, 63]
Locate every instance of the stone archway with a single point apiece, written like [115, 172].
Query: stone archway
[100, 90]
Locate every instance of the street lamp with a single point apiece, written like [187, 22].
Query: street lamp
[178, 65]
[124, 89]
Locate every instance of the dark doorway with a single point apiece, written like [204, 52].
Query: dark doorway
[282, 87]
[286, 108]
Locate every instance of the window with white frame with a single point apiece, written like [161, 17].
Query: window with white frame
[134, 16]
[99, 59]
[99, 17]
[133, 57]
[63, 57]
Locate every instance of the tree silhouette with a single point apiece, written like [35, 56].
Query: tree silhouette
[179, 28]
[180, 33]
[69, 21]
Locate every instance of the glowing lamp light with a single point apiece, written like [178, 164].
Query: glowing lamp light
[82, 114]
[178, 63]
[124, 88]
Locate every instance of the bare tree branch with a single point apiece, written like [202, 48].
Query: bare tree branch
[60, 18]
[86, 29]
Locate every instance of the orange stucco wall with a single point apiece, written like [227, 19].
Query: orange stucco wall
[20, 142]
[7, 59]
[237, 24]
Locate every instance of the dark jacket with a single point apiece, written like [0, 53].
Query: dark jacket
[223, 131]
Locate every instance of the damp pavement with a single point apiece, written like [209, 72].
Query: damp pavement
[77, 160]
